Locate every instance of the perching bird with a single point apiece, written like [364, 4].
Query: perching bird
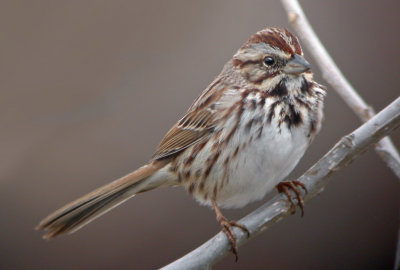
[240, 138]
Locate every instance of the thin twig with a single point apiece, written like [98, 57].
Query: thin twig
[315, 179]
[331, 73]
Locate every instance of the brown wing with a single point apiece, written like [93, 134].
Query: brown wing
[193, 127]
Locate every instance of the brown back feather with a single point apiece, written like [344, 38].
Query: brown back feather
[197, 124]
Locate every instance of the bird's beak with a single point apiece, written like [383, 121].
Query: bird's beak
[296, 65]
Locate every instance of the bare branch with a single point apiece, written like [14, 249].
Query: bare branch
[331, 73]
[315, 179]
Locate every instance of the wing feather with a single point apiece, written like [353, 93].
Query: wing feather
[197, 124]
[193, 127]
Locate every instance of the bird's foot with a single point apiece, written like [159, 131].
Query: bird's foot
[285, 187]
[227, 228]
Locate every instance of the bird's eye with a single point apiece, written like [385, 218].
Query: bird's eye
[269, 61]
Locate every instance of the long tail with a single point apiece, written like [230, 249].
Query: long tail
[80, 212]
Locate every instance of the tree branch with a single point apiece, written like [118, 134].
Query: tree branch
[315, 179]
[331, 73]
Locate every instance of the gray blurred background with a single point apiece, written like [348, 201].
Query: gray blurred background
[88, 88]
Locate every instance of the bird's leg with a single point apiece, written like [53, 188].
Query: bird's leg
[284, 187]
[227, 228]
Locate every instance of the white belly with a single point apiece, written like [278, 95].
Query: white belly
[261, 165]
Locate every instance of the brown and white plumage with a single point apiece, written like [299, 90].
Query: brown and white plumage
[242, 136]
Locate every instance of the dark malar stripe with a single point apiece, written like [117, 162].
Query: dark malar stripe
[280, 90]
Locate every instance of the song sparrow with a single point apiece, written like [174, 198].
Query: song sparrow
[245, 132]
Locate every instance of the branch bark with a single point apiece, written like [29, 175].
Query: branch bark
[315, 179]
[331, 73]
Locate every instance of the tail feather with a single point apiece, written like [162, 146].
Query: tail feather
[80, 212]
